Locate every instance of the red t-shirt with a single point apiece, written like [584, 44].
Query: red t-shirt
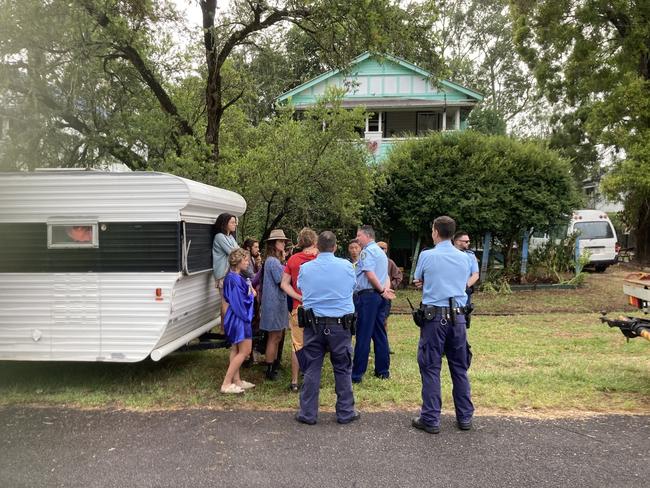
[293, 267]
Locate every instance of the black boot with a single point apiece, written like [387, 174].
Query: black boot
[271, 372]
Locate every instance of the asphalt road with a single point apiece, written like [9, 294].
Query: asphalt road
[49, 447]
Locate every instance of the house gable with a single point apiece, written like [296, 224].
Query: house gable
[372, 77]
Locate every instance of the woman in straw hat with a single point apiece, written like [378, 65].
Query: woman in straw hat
[274, 317]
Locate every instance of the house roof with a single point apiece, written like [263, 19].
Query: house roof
[306, 89]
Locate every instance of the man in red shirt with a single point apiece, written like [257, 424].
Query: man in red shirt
[307, 243]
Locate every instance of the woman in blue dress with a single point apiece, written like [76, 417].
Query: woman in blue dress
[274, 315]
[238, 297]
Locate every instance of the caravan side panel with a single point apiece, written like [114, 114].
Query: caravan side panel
[83, 316]
[26, 316]
[133, 316]
[195, 303]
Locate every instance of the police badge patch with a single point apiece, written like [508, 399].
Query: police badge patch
[362, 256]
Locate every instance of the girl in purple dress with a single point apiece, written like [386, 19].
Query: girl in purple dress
[238, 296]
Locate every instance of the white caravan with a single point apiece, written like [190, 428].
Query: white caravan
[98, 266]
[595, 231]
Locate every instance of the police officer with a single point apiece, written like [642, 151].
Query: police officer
[443, 273]
[327, 284]
[371, 294]
[461, 242]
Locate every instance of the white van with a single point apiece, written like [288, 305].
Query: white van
[595, 231]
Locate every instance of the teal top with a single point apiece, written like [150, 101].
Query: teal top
[221, 247]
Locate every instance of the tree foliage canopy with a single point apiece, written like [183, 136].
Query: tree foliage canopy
[311, 171]
[594, 57]
[487, 183]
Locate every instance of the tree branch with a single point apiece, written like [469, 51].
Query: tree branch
[147, 75]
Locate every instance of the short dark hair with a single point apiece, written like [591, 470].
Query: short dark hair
[459, 234]
[368, 230]
[354, 241]
[326, 241]
[248, 243]
[221, 224]
[445, 226]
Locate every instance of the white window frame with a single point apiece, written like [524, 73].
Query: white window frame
[73, 221]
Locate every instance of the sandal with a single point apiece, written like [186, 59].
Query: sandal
[294, 387]
[246, 385]
[232, 389]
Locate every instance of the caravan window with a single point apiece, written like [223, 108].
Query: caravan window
[72, 235]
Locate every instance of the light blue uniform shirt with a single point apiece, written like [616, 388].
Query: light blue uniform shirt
[327, 283]
[374, 259]
[445, 271]
[472, 261]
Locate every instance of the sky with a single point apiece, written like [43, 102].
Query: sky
[193, 11]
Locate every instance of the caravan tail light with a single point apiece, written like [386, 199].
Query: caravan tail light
[634, 301]
[159, 296]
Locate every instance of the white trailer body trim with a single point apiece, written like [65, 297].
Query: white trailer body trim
[161, 352]
[112, 197]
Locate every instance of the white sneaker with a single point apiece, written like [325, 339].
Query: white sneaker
[245, 385]
[232, 389]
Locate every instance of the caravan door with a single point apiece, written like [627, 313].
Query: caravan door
[75, 330]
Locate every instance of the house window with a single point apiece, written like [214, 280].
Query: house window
[426, 121]
[373, 122]
[72, 235]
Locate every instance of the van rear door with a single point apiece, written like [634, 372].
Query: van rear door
[598, 238]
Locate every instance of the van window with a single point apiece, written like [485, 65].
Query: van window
[594, 230]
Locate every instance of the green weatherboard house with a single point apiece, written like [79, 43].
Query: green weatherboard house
[400, 99]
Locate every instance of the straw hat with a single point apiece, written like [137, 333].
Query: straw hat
[277, 235]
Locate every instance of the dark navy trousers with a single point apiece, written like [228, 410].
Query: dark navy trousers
[436, 338]
[338, 341]
[371, 315]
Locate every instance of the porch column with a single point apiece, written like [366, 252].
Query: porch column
[380, 113]
[457, 119]
[444, 119]
[367, 123]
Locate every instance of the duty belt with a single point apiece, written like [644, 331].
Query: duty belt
[444, 311]
[327, 321]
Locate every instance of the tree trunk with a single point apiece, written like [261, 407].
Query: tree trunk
[213, 85]
[643, 233]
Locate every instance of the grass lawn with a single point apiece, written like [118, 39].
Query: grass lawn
[540, 364]
[531, 356]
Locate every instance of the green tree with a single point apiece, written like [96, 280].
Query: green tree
[73, 99]
[475, 42]
[97, 80]
[593, 56]
[310, 170]
[487, 183]
[486, 121]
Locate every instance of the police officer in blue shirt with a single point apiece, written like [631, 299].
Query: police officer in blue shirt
[327, 284]
[443, 273]
[371, 292]
[461, 242]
